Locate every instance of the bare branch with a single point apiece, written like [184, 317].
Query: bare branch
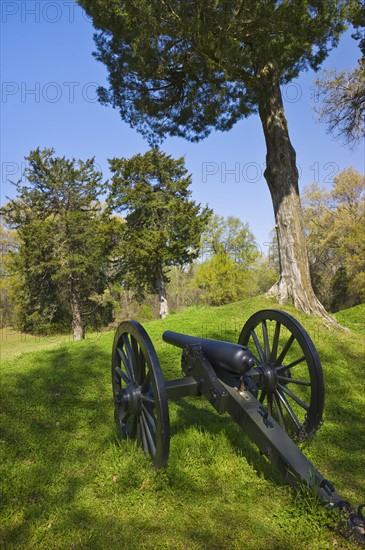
[342, 103]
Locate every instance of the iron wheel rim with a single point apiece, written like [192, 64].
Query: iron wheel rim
[281, 345]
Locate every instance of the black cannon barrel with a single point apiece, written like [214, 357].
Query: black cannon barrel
[233, 357]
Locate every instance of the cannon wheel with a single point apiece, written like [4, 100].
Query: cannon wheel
[291, 385]
[141, 407]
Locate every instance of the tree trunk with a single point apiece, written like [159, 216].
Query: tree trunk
[78, 327]
[281, 174]
[161, 290]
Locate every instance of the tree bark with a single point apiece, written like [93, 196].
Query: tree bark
[161, 290]
[294, 284]
[78, 326]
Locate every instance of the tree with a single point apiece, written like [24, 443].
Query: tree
[37, 304]
[65, 241]
[222, 281]
[8, 243]
[334, 222]
[185, 68]
[227, 275]
[356, 16]
[342, 95]
[229, 236]
[163, 225]
[342, 103]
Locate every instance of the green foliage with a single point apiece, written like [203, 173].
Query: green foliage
[8, 243]
[231, 237]
[185, 68]
[222, 280]
[227, 276]
[265, 274]
[182, 289]
[68, 483]
[335, 227]
[163, 225]
[38, 304]
[356, 16]
[65, 239]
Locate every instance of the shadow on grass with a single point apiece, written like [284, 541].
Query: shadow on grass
[198, 412]
[56, 409]
[192, 413]
[67, 484]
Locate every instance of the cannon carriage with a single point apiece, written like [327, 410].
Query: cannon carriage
[270, 383]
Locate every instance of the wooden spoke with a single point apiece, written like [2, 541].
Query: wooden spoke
[258, 346]
[282, 355]
[149, 436]
[269, 404]
[279, 410]
[289, 409]
[266, 340]
[126, 363]
[291, 365]
[293, 396]
[262, 396]
[147, 399]
[130, 354]
[287, 380]
[275, 343]
[150, 418]
[122, 375]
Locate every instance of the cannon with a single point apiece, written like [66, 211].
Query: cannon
[270, 383]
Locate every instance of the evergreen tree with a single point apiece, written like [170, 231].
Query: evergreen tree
[163, 225]
[185, 68]
[65, 241]
[8, 243]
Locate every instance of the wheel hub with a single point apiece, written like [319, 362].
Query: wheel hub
[131, 399]
[268, 378]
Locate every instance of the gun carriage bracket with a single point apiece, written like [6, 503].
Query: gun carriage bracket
[270, 383]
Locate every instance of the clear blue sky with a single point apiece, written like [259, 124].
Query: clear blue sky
[48, 99]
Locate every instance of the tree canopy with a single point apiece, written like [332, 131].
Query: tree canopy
[8, 243]
[342, 103]
[229, 236]
[342, 94]
[230, 251]
[65, 239]
[163, 225]
[184, 68]
[335, 227]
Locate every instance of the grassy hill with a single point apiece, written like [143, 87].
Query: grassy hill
[353, 318]
[67, 481]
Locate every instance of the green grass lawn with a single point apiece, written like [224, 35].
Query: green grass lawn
[14, 343]
[68, 482]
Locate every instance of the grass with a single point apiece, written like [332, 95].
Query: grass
[14, 343]
[353, 318]
[69, 483]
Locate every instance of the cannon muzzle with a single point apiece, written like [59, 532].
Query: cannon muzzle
[232, 357]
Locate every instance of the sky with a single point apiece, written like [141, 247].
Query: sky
[48, 99]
